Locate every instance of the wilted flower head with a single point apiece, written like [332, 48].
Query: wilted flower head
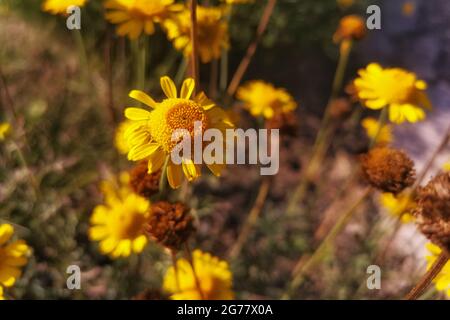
[150, 135]
[433, 210]
[393, 88]
[381, 134]
[442, 280]
[171, 225]
[351, 27]
[263, 99]
[388, 169]
[399, 206]
[143, 183]
[212, 32]
[119, 223]
[137, 16]
[13, 256]
[60, 6]
[214, 277]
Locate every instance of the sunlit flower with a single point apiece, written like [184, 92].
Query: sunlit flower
[446, 166]
[212, 32]
[119, 223]
[150, 136]
[119, 139]
[5, 129]
[399, 206]
[442, 280]
[398, 89]
[351, 27]
[262, 98]
[13, 256]
[383, 134]
[137, 16]
[214, 279]
[60, 6]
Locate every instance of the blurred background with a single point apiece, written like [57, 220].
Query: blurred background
[64, 128]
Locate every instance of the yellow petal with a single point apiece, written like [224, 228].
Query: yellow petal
[174, 175]
[137, 114]
[187, 88]
[155, 161]
[142, 97]
[168, 87]
[191, 171]
[6, 231]
[142, 151]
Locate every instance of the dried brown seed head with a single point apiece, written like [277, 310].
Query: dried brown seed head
[388, 169]
[171, 225]
[433, 210]
[142, 182]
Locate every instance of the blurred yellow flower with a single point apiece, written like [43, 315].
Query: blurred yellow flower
[395, 88]
[5, 128]
[119, 137]
[383, 135]
[408, 8]
[60, 6]
[262, 98]
[1, 293]
[238, 1]
[119, 223]
[442, 280]
[137, 16]
[344, 4]
[150, 135]
[13, 256]
[212, 32]
[351, 27]
[446, 166]
[214, 279]
[399, 206]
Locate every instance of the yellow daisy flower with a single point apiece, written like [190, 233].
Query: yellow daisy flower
[442, 280]
[383, 135]
[150, 135]
[399, 206]
[213, 275]
[212, 32]
[13, 256]
[262, 98]
[137, 16]
[395, 88]
[5, 128]
[119, 223]
[119, 138]
[350, 27]
[60, 6]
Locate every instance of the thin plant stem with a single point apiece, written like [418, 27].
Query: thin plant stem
[194, 272]
[181, 72]
[173, 255]
[304, 267]
[194, 41]
[428, 277]
[163, 178]
[251, 50]
[82, 53]
[325, 132]
[252, 218]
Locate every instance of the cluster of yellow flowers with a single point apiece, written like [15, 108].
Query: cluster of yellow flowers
[13, 256]
[442, 280]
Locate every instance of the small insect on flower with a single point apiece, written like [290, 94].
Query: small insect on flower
[213, 275]
[351, 27]
[137, 16]
[5, 129]
[382, 135]
[399, 206]
[263, 99]
[13, 256]
[442, 280]
[393, 88]
[433, 210]
[388, 169]
[60, 6]
[119, 223]
[212, 32]
[150, 137]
